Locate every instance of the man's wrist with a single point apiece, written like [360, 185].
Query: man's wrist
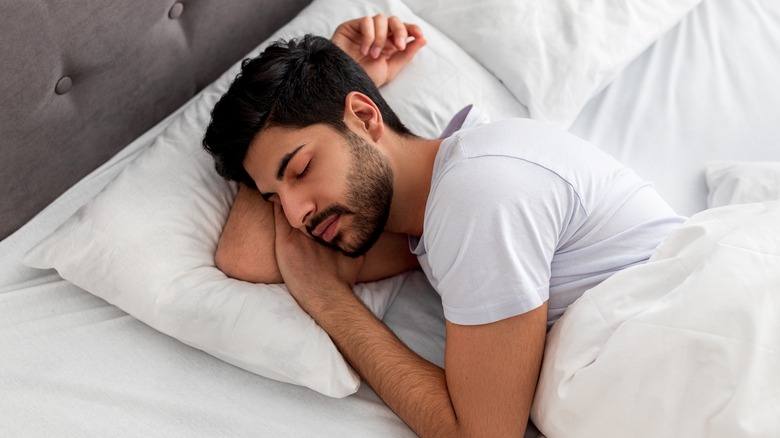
[317, 300]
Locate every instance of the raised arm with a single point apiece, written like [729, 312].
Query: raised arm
[382, 46]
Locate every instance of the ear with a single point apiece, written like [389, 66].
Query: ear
[362, 114]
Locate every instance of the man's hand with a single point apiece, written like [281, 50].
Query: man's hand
[379, 44]
[310, 270]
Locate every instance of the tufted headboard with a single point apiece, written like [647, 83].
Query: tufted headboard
[81, 79]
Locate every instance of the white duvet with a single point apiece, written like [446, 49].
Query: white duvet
[686, 345]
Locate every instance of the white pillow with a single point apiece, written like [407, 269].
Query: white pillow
[146, 243]
[742, 182]
[685, 345]
[554, 55]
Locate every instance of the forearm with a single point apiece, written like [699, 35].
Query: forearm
[415, 389]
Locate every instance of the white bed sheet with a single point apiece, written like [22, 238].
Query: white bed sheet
[73, 365]
[706, 91]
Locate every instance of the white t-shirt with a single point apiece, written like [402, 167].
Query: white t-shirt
[520, 213]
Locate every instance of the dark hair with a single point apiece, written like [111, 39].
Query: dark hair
[294, 83]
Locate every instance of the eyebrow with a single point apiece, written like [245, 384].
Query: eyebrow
[283, 163]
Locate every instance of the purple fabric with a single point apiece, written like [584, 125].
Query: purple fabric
[456, 122]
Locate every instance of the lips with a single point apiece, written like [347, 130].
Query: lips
[326, 230]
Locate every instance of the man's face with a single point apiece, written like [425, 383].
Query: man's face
[334, 187]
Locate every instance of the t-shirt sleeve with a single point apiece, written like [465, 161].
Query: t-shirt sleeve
[494, 226]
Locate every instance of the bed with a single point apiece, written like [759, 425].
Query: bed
[106, 182]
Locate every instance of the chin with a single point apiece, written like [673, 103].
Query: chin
[355, 251]
[352, 251]
[360, 251]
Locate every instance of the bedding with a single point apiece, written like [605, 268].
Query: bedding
[75, 365]
[687, 344]
[736, 182]
[532, 46]
[699, 94]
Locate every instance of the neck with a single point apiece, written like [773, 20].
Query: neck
[412, 159]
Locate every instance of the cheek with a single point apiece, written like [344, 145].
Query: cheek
[332, 186]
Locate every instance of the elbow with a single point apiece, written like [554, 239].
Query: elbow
[227, 261]
[224, 261]
[243, 265]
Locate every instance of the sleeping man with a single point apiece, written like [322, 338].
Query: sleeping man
[511, 221]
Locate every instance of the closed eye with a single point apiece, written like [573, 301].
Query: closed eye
[305, 170]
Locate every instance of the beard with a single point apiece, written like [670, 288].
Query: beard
[369, 195]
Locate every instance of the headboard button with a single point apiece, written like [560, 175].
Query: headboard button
[176, 10]
[63, 85]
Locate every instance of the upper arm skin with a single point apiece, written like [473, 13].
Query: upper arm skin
[492, 371]
[246, 246]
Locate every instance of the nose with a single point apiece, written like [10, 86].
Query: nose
[298, 207]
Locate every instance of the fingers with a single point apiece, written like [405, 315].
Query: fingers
[380, 34]
[400, 59]
[366, 26]
[414, 31]
[398, 30]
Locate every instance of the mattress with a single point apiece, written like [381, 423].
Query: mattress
[74, 365]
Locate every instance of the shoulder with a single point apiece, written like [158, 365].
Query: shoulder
[520, 144]
[497, 164]
[521, 138]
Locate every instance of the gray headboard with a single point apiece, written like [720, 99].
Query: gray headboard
[81, 79]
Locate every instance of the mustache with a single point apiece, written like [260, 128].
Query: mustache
[328, 212]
